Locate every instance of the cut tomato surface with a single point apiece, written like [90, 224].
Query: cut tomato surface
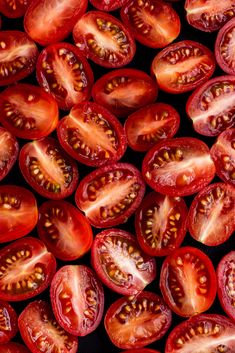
[141, 350]
[8, 322]
[9, 149]
[12, 347]
[108, 5]
[13, 9]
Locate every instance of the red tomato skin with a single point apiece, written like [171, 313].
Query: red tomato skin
[6, 8]
[219, 50]
[141, 350]
[110, 5]
[7, 163]
[9, 325]
[12, 347]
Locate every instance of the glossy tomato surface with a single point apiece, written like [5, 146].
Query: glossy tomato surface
[12, 347]
[8, 322]
[108, 5]
[14, 9]
[141, 350]
[9, 149]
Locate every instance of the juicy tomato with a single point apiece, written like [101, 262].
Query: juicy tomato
[8, 322]
[224, 49]
[188, 281]
[207, 333]
[48, 169]
[150, 125]
[28, 112]
[50, 21]
[14, 9]
[92, 135]
[27, 269]
[104, 39]
[64, 229]
[141, 350]
[12, 347]
[125, 90]
[42, 333]
[110, 195]
[161, 223]
[183, 66]
[217, 201]
[18, 55]
[178, 167]
[77, 299]
[108, 5]
[18, 212]
[136, 321]
[223, 155]
[9, 149]
[65, 74]
[209, 15]
[120, 263]
[153, 22]
[211, 106]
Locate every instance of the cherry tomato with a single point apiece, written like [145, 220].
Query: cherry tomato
[8, 323]
[224, 54]
[9, 149]
[12, 347]
[141, 350]
[108, 5]
[14, 9]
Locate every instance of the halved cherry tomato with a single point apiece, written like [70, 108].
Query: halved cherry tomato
[12, 347]
[14, 9]
[48, 169]
[92, 135]
[224, 52]
[50, 21]
[42, 333]
[18, 212]
[211, 106]
[9, 149]
[141, 350]
[77, 299]
[64, 229]
[110, 195]
[8, 323]
[65, 74]
[188, 281]
[213, 203]
[104, 39]
[108, 5]
[134, 322]
[27, 111]
[151, 124]
[178, 167]
[161, 223]
[26, 269]
[153, 22]
[18, 55]
[120, 263]
[125, 90]
[183, 66]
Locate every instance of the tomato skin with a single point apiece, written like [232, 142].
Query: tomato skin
[12, 347]
[141, 350]
[9, 149]
[9, 326]
[15, 9]
[223, 48]
[109, 5]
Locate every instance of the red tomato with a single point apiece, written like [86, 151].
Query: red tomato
[183, 66]
[224, 53]
[104, 39]
[9, 149]
[28, 112]
[207, 333]
[161, 223]
[42, 333]
[92, 135]
[108, 5]
[178, 167]
[151, 124]
[65, 74]
[211, 106]
[14, 9]
[216, 201]
[141, 350]
[12, 347]
[18, 212]
[188, 281]
[48, 169]
[64, 229]
[120, 263]
[134, 322]
[26, 269]
[125, 90]
[223, 155]
[110, 195]
[8, 323]
[77, 299]
[18, 55]
[50, 21]
[153, 22]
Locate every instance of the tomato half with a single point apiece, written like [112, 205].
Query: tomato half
[125, 90]
[18, 55]
[110, 195]
[216, 201]
[104, 39]
[42, 333]
[64, 73]
[120, 263]
[9, 149]
[224, 53]
[28, 112]
[64, 230]
[77, 299]
[12, 347]
[153, 22]
[134, 322]
[178, 167]
[92, 135]
[48, 169]
[26, 269]
[8, 322]
[188, 281]
[108, 5]
[161, 223]
[141, 350]
[14, 9]
[151, 124]
[183, 66]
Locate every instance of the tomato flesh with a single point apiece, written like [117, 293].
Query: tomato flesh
[14, 9]
[9, 149]
[8, 322]
[141, 350]
[12, 347]
[224, 47]
[108, 5]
